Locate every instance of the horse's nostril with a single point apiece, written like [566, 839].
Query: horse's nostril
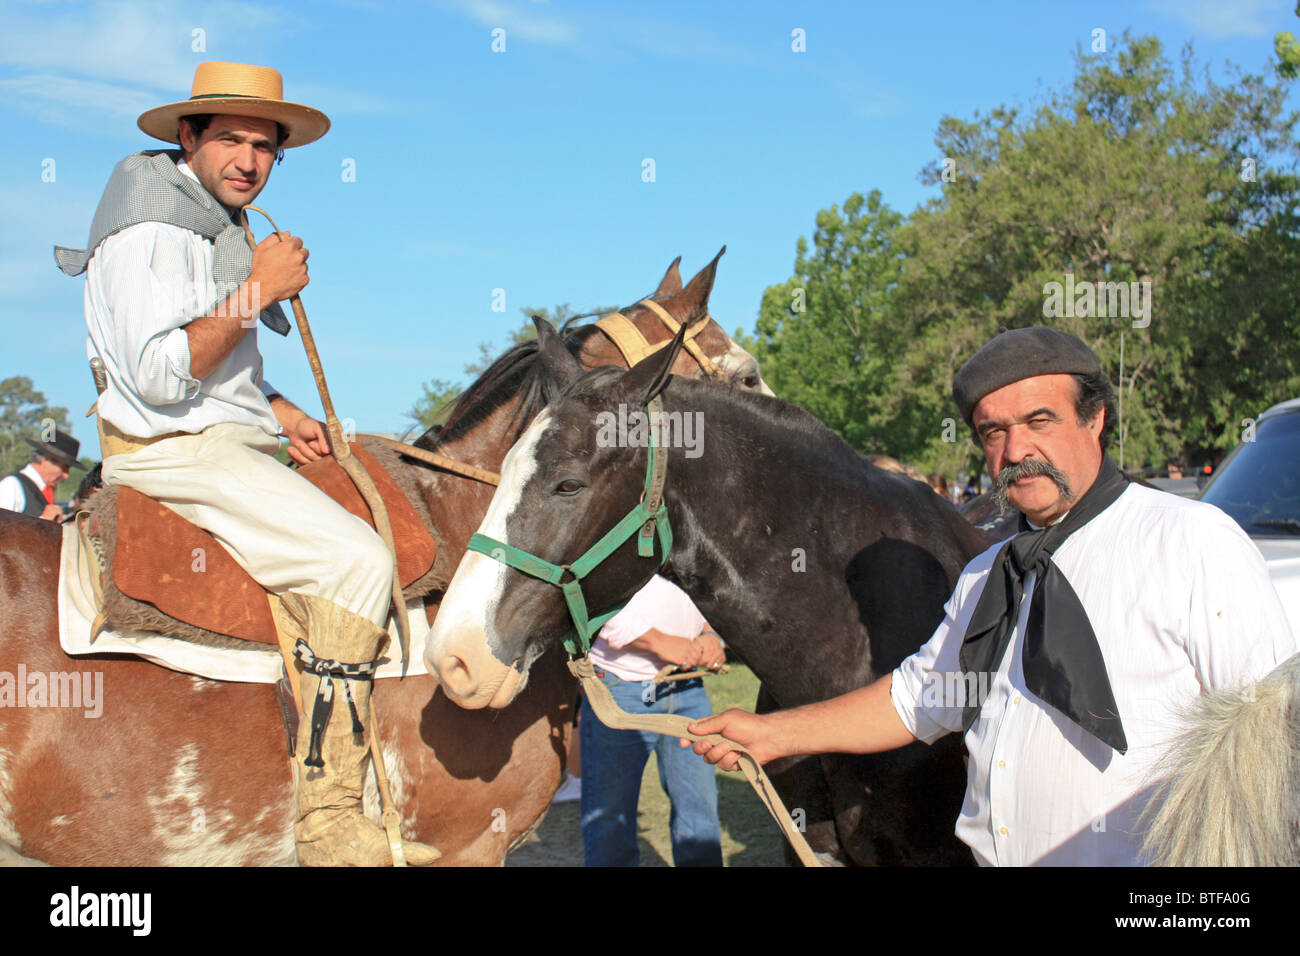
[456, 677]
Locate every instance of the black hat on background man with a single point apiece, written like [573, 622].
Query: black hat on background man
[63, 449]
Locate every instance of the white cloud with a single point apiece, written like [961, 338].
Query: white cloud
[517, 20]
[1216, 19]
[69, 64]
[141, 45]
[76, 103]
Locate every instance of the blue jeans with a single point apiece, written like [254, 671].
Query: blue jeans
[613, 762]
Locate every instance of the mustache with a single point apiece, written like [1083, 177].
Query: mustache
[1028, 468]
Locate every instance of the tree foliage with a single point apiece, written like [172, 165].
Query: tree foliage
[1138, 172]
[23, 414]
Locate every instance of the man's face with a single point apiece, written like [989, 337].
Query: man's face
[1032, 422]
[232, 157]
[51, 471]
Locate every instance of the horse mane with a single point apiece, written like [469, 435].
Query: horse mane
[516, 372]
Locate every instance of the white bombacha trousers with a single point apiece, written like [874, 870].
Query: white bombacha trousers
[285, 532]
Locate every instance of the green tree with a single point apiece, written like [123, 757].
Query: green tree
[1288, 52]
[824, 336]
[1136, 173]
[24, 414]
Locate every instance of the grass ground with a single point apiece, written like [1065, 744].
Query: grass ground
[749, 837]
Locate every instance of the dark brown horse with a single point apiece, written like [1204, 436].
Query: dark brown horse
[822, 571]
[180, 770]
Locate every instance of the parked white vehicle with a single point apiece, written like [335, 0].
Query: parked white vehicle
[1258, 485]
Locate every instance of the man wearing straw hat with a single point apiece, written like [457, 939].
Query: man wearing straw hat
[173, 295]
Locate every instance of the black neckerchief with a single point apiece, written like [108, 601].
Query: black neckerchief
[1062, 663]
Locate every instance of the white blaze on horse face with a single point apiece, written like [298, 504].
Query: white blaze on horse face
[737, 361]
[459, 650]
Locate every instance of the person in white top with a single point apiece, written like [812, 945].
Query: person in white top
[187, 397]
[30, 490]
[1068, 672]
[659, 625]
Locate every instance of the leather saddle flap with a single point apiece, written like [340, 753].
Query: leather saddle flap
[162, 559]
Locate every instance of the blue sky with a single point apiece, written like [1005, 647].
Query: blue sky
[522, 170]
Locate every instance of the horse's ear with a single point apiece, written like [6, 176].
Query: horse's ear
[695, 297]
[671, 283]
[555, 355]
[648, 377]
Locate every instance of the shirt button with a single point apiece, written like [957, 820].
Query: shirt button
[1002, 764]
[1016, 699]
[1002, 830]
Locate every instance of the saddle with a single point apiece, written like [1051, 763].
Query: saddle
[150, 555]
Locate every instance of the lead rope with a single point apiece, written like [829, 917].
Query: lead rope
[674, 725]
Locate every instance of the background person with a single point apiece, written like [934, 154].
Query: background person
[658, 626]
[30, 490]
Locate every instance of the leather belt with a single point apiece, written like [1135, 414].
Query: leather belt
[113, 441]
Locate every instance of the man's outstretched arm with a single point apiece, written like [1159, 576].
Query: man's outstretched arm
[862, 721]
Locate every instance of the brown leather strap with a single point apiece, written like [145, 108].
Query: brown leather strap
[634, 347]
[627, 338]
[342, 452]
[711, 368]
[441, 461]
[675, 725]
[670, 672]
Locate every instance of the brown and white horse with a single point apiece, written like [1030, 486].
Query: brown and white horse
[178, 770]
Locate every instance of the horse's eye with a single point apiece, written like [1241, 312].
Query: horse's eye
[751, 381]
[570, 486]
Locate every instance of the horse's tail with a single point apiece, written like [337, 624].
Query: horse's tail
[1231, 789]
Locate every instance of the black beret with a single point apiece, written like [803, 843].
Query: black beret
[1019, 354]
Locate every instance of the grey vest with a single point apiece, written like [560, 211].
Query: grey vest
[147, 187]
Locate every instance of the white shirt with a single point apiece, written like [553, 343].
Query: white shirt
[144, 284]
[12, 495]
[1181, 603]
[661, 605]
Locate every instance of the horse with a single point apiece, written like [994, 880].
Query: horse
[1229, 790]
[821, 572]
[180, 770]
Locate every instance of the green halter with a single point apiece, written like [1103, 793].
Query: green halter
[650, 516]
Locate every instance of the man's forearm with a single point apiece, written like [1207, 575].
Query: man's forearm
[214, 336]
[862, 721]
[286, 413]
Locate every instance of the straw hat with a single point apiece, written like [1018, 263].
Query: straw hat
[236, 89]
